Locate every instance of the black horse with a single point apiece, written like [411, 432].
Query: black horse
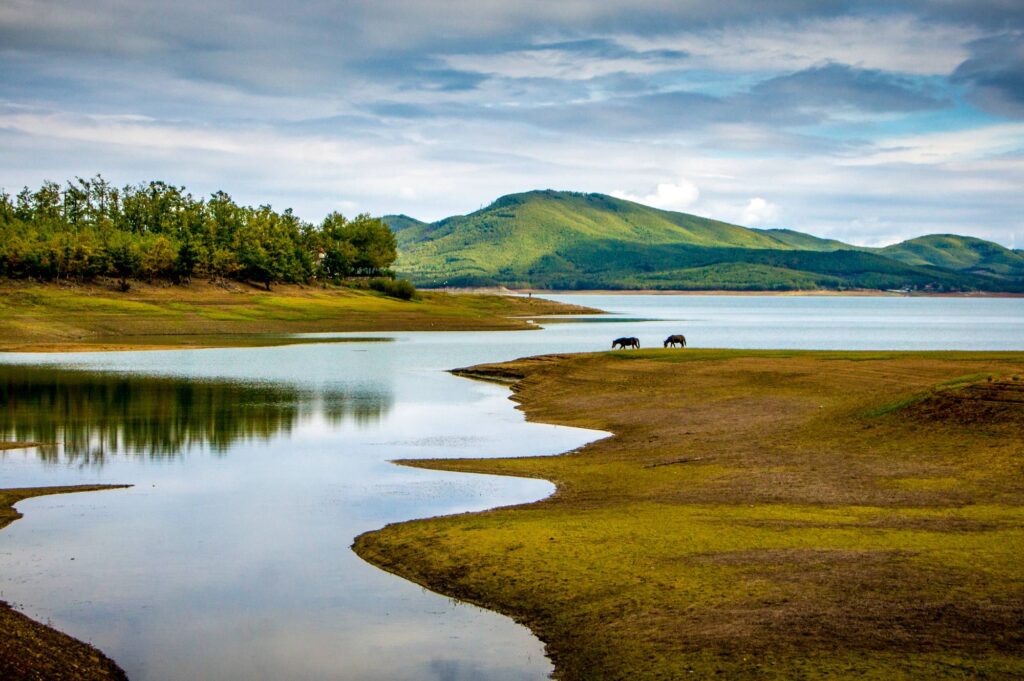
[624, 343]
[674, 340]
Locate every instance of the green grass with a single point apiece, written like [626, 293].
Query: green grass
[746, 521]
[51, 317]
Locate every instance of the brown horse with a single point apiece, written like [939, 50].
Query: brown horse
[675, 339]
[630, 342]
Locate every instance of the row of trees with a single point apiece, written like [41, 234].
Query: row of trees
[89, 228]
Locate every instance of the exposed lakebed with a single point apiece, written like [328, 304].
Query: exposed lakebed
[254, 469]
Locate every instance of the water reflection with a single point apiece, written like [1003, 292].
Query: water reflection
[83, 417]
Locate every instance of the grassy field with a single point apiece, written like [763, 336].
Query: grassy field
[30, 650]
[768, 515]
[35, 317]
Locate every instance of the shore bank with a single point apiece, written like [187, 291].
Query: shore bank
[857, 293]
[30, 650]
[95, 317]
[757, 514]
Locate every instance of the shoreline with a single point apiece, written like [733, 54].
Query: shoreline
[567, 566]
[853, 293]
[30, 649]
[61, 317]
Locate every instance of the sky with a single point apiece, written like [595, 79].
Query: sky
[869, 122]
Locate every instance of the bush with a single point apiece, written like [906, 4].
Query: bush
[394, 288]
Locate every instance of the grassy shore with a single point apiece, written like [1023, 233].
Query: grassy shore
[55, 318]
[30, 650]
[768, 515]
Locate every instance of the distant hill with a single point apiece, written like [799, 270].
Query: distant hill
[568, 240]
[807, 241]
[961, 253]
[399, 222]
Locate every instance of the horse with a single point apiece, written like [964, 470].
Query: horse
[675, 339]
[630, 342]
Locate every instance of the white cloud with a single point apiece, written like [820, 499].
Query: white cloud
[559, 64]
[942, 147]
[435, 168]
[888, 43]
[669, 196]
[760, 213]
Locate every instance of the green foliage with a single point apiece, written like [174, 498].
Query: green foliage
[565, 240]
[399, 222]
[961, 253]
[364, 246]
[394, 288]
[156, 231]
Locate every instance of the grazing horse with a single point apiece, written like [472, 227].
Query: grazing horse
[675, 339]
[630, 342]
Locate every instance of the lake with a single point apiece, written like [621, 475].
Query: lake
[253, 469]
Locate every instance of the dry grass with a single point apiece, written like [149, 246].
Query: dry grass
[32, 651]
[52, 317]
[766, 514]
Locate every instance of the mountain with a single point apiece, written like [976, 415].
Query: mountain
[807, 242]
[960, 253]
[569, 240]
[399, 222]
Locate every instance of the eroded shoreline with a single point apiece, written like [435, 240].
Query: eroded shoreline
[761, 514]
[29, 649]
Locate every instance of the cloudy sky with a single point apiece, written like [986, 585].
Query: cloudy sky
[863, 121]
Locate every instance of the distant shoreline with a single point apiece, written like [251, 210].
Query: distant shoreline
[69, 317]
[855, 293]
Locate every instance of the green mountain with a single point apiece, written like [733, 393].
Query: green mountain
[399, 222]
[961, 253]
[807, 242]
[568, 240]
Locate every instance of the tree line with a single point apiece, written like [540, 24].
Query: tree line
[89, 228]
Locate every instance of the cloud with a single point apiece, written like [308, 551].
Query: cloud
[891, 42]
[572, 60]
[881, 111]
[774, 106]
[995, 73]
[759, 213]
[668, 196]
[835, 86]
[939, 148]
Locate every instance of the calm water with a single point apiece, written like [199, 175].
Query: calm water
[255, 468]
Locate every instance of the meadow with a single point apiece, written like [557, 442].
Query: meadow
[97, 316]
[755, 514]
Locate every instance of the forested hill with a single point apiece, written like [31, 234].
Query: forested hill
[962, 253]
[568, 240]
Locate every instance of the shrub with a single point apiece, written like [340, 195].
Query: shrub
[394, 288]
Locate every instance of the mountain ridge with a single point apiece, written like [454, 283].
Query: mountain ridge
[575, 240]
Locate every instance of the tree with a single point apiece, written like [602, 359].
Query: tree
[374, 242]
[124, 257]
[336, 253]
[88, 228]
[158, 257]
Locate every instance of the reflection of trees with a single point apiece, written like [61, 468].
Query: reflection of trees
[363, 406]
[86, 416]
